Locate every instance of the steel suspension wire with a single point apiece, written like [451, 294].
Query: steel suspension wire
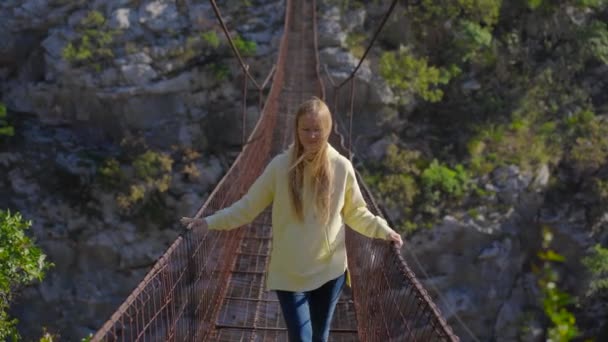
[235, 50]
[244, 67]
[369, 46]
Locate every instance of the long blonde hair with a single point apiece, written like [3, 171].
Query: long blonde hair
[320, 171]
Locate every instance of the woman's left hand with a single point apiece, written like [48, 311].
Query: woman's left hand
[396, 238]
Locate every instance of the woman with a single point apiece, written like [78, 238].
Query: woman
[314, 193]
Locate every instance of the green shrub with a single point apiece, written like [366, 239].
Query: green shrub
[48, 337]
[555, 302]
[534, 4]
[5, 128]
[110, 173]
[452, 182]
[472, 40]
[407, 183]
[152, 174]
[245, 47]
[590, 149]
[538, 131]
[482, 11]
[597, 264]
[595, 38]
[21, 263]
[220, 71]
[211, 38]
[395, 182]
[576, 124]
[519, 142]
[93, 19]
[134, 196]
[94, 44]
[398, 190]
[405, 73]
[355, 43]
[151, 165]
[601, 190]
[402, 160]
[592, 3]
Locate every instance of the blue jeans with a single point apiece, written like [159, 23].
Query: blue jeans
[308, 314]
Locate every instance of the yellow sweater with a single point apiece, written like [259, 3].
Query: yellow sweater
[305, 254]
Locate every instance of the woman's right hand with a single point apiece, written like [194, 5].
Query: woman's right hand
[193, 222]
[396, 238]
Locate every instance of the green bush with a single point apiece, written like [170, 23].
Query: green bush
[211, 38]
[405, 73]
[576, 124]
[601, 190]
[555, 302]
[245, 47]
[454, 183]
[110, 173]
[407, 183]
[590, 149]
[152, 174]
[519, 142]
[398, 190]
[597, 264]
[592, 3]
[94, 44]
[595, 39]
[537, 131]
[395, 182]
[151, 165]
[21, 263]
[473, 42]
[355, 43]
[402, 160]
[5, 128]
[140, 174]
[220, 71]
[534, 4]
[483, 11]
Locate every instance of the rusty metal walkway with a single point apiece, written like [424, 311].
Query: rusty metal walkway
[209, 286]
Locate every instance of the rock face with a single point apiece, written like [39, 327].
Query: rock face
[99, 254]
[479, 267]
[152, 64]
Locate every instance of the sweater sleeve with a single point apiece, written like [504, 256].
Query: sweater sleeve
[245, 210]
[355, 212]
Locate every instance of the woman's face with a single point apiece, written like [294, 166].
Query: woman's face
[311, 132]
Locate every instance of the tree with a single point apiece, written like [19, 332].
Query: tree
[21, 262]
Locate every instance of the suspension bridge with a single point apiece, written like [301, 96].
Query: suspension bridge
[209, 286]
